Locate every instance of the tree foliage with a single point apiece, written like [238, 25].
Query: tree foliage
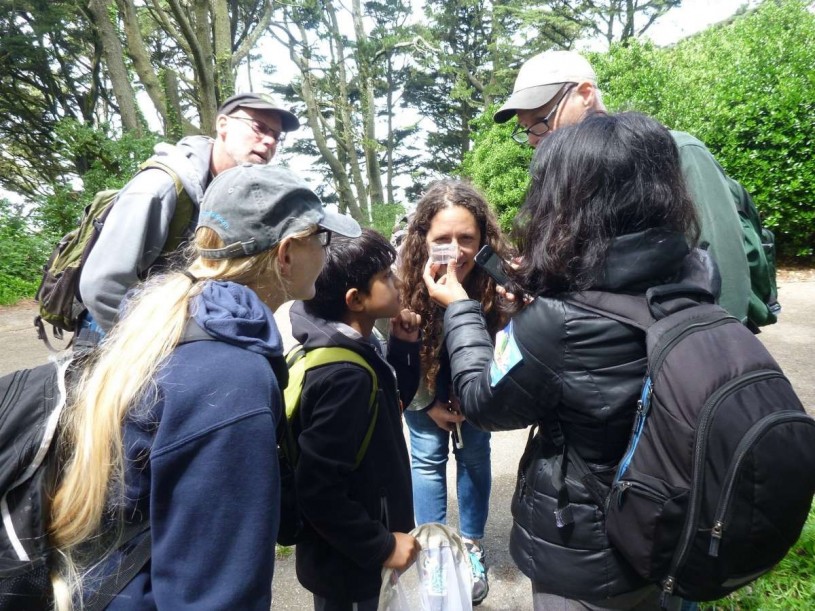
[51, 70]
[343, 75]
[471, 55]
[622, 20]
[745, 88]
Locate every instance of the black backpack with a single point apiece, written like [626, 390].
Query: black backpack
[31, 401]
[30, 404]
[719, 475]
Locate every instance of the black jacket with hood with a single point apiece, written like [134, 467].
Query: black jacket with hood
[351, 513]
[585, 369]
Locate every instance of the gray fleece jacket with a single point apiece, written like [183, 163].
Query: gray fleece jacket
[136, 229]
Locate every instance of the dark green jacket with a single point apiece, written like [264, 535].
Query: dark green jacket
[720, 224]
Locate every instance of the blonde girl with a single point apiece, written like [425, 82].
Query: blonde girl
[175, 436]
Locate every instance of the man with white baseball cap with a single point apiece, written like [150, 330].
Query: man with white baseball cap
[555, 89]
[552, 88]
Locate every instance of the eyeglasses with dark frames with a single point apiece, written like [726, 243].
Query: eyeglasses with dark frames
[324, 236]
[521, 135]
[261, 129]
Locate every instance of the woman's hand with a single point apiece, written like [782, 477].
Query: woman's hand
[447, 288]
[404, 552]
[503, 292]
[445, 415]
[405, 325]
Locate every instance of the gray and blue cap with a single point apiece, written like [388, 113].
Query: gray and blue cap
[253, 207]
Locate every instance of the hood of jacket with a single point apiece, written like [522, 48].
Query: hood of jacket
[233, 313]
[639, 261]
[636, 261]
[190, 159]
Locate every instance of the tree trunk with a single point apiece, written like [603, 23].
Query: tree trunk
[117, 71]
[319, 128]
[366, 75]
[137, 51]
[224, 75]
[342, 102]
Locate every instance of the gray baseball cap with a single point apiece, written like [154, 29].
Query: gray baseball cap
[260, 101]
[253, 207]
[541, 77]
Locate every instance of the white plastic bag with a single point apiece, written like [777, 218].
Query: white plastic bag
[441, 579]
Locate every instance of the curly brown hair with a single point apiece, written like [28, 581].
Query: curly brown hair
[413, 257]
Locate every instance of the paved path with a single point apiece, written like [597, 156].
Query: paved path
[792, 342]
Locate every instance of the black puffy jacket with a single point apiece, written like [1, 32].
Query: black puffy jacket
[585, 369]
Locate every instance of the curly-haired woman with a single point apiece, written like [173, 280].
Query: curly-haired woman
[451, 212]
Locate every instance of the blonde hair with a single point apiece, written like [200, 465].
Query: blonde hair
[122, 375]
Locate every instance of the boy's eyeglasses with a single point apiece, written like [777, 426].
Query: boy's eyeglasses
[324, 236]
[261, 129]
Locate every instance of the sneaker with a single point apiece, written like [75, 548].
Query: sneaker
[478, 562]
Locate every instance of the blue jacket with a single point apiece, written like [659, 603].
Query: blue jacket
[202, 464]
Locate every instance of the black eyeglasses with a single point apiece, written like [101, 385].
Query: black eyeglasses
[324, 236]
[261, 129]
[521, 135]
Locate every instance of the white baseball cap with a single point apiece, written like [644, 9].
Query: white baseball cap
[541, 77]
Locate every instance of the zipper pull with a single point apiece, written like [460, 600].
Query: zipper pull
[667, 592]
[644, 404]
[622, 487]
[715, 539]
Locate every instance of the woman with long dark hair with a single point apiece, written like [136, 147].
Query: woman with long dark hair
[607, 210]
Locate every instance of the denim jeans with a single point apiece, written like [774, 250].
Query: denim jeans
[429, 450]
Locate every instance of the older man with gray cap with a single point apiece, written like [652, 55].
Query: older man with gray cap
[156, 211]
[555, 89]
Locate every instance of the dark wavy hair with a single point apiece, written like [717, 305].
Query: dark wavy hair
[413, 257]
[607, 176]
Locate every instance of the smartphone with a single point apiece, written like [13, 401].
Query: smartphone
[488, 260]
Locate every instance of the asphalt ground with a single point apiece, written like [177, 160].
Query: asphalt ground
[791, 342]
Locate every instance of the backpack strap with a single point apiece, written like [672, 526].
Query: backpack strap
[300, 361]
[184, 207]
[134, 561]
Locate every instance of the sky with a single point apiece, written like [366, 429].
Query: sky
[690, 17]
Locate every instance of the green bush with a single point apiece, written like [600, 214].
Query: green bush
[22, 254]
[108, 161]
[746, 89]
[385, 217]
[26, 240]
[498, 166]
